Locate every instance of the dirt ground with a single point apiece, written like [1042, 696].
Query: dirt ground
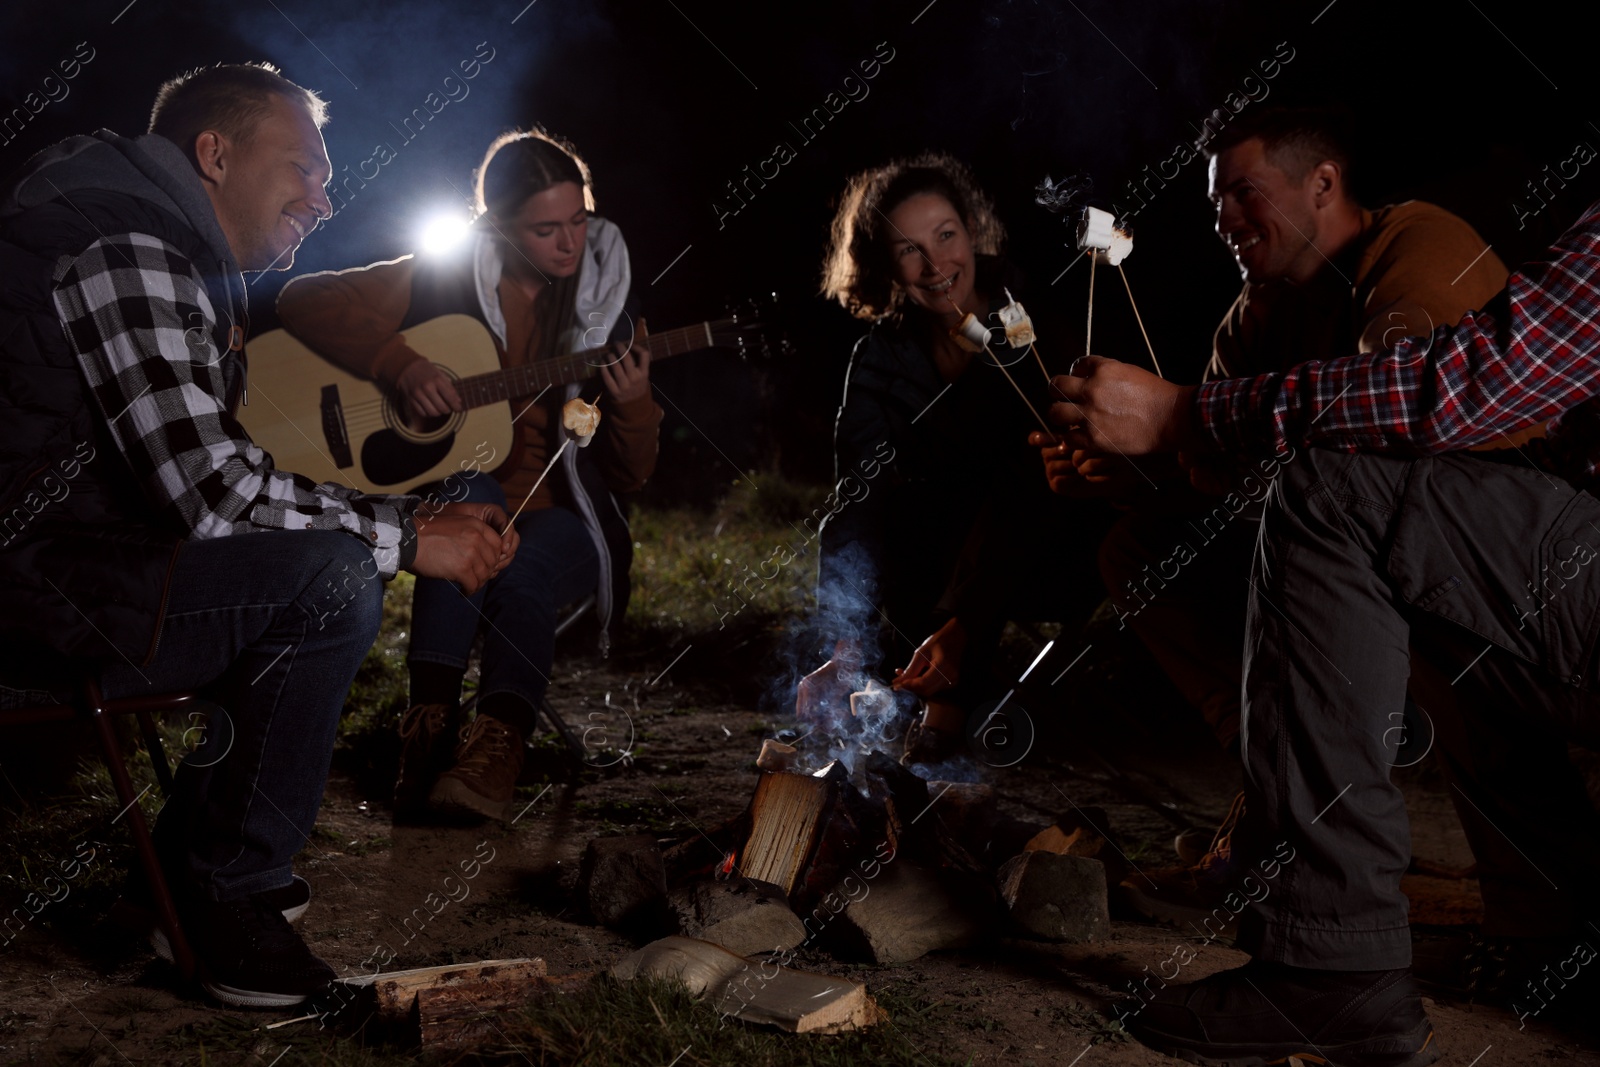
[86, 996]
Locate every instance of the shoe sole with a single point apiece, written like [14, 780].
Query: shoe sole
[1371, 1052]
[253, 998]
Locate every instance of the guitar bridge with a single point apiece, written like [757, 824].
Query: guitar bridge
[333, 428]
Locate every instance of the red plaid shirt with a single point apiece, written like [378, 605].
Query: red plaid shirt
[1531, 354]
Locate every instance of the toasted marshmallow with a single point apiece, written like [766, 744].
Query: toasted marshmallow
[1096, 228]
[971, 335]
[580, 419]
[1019, 328]
[1121, 248]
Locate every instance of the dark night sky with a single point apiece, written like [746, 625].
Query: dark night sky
[1459, 103]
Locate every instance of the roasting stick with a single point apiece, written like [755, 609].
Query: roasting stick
[1045, 426]
[580, 419]
[1040, 360]
[1099, 236]
[974, 337]
[1019, 331]
[540, 481]
[1088, 329]
[1140, 320]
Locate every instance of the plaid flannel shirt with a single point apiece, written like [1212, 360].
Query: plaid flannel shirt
[1531, 354]
[138, 316]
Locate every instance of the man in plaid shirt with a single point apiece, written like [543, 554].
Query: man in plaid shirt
[1384, 550]
[132, 503]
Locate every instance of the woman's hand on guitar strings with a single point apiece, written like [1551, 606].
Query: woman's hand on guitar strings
[627, 378]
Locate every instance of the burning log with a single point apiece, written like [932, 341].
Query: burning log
[785, 827]
[967, 810]
[797, 1001]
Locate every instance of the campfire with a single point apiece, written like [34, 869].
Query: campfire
[844, 850]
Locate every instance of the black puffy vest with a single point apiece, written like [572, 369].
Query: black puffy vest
[85, 557]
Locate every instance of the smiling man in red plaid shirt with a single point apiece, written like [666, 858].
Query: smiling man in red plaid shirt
[1384, 548]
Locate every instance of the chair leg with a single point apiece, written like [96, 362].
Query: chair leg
[575, 752]
[166, 913]
[158, 751]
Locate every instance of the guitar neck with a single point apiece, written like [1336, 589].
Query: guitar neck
[530, 379]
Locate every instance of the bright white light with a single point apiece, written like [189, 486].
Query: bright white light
[443, 233]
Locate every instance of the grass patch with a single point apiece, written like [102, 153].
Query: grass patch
[694, 570]
[626, 1024]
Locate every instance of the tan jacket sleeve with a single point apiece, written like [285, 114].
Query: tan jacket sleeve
[630, 442]
[353, 317]
[1431, 269]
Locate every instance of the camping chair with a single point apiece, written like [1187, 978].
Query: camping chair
[88, 704]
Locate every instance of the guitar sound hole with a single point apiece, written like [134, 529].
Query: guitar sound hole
[426, 425]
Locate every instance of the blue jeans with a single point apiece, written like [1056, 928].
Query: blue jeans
[555, 565]
[269, 627]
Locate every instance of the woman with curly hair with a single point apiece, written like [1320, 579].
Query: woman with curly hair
[945, 518]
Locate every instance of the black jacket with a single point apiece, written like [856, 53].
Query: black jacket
[85, 558]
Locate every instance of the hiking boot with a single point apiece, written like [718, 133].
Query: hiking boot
[250, 957]
[1191, 892]
[427, 737]
[1264, 1013]
[480, 784]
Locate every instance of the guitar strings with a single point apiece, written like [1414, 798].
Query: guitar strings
[365, 417]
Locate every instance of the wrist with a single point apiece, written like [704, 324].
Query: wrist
[1187, 431]
[408, 543]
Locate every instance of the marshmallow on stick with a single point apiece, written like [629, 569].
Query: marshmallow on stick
[1097, 230]
[970, 334]
[1019, 328]
[973, 336]
[580, 419]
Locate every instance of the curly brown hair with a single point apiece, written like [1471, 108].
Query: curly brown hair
[857, 270]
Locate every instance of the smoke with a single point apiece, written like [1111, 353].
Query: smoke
[845, 710]
[1069, 196]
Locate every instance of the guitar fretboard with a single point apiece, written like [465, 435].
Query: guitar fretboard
[532, 378]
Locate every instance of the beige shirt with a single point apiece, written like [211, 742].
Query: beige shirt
[1414, 267]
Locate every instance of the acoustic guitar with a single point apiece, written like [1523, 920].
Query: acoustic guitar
[318, 419]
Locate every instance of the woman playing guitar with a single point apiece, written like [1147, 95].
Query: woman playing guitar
[548, 278]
